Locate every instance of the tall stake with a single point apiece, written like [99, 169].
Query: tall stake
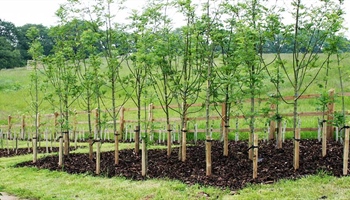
[208, 156]
[296, 148]
[346, 151]
[324, 138]
[144, 158]
[279, 133]
[255, 156]
[169, 141]
[137, 140]
[98, 156]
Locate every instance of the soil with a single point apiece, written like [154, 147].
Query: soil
[24, 151]
[232, 172]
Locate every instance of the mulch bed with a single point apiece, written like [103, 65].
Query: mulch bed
[233, 172]
[24, 151]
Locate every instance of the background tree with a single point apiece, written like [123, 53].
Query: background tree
[10, 55]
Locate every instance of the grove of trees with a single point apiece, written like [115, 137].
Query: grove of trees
[219, 51]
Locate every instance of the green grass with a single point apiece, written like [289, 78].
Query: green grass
[33, 183]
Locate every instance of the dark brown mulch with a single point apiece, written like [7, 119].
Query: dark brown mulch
[233, 172]
[24, 151]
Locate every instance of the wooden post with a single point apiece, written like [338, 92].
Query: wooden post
[279, 134]
[96, 124]
[75, 122]
[9, 133]
[324, 138]
[272, 123]
[9, 126]
[144, 158]
[137, 140]
[208, 156]
[169, 141]
[183, 137]
[225, 130]
[150, 116]
[330, 114]
[223, 120]
[47, 140]
[60, 152]
[255, 156]
[55, 125]
[116, 136]
[296, 148]
[38, 128]
[250, 143]
[98, 156]
[35, 154]
[23, 131]
[121, 123]
[346, 151]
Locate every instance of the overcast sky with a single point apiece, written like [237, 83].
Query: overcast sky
[22, 12]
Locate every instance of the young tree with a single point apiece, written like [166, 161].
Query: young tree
[36, 51]
[314, 22]
[61, 73]
[165, 54]
[187, 79]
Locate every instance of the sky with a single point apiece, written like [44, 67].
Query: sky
[22, 12]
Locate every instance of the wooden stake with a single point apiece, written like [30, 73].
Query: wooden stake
[330, 114]
[250, 143]
[116, 149]
[255, 156]
[223, 120]
[60, 152]
[208, 156]
[122, 123]
[9, 133]
[279, 134]
[98, 156]
[35, 154]
[296, 148]
[23, 131]
[272, 124]
[137, 140]
[66, 143]
[324, 138]
[183, 150]
[225, 130]
[169, 141]
[144, 158]
[346, 152]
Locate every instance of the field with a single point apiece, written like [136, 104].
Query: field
[321, 180]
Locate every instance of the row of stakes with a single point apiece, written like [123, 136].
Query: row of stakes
[129, 134]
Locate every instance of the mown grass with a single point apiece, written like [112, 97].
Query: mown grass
[33, 183]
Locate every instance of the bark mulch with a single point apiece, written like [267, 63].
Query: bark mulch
[232, 172]
[24, 151]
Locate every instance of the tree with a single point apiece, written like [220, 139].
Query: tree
[36, 51]
[313, 24]
[62, 73]
[187, 79]
[165, 54]
[10, 56]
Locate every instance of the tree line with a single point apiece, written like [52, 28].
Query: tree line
[14, 43]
